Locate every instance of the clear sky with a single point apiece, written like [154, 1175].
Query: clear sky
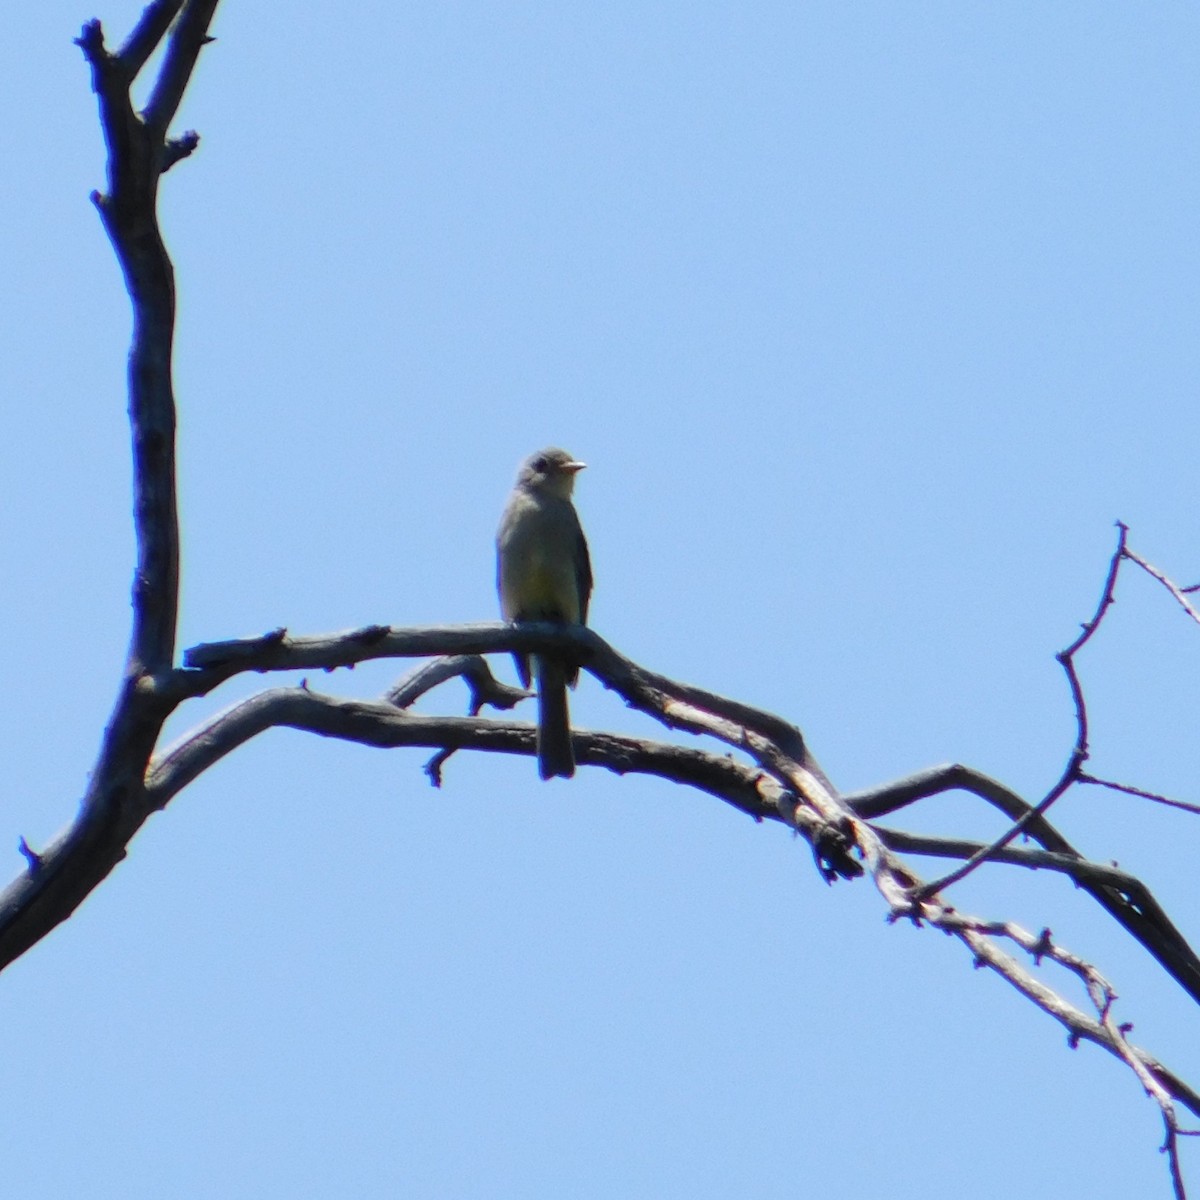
[869, 319]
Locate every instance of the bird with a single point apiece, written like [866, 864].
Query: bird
[543, 573]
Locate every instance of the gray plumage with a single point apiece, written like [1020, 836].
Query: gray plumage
[543, 574]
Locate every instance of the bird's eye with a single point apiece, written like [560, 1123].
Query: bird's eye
[540, 463]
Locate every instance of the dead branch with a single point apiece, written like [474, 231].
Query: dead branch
[779, 781]
[58, 878]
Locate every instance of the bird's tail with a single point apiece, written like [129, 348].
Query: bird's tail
[554, 753]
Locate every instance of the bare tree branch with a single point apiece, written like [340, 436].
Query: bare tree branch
[1178, 592]
[1074, 867]
[677, 705]
[781, 782]
[1141, 793]
[183, 48]
[177, 149]
[155, 20]
[888, 798]
[58, 878]
[485, 687]
[383, 725]
[137, 155]
[1125, 898]
[1079, 752]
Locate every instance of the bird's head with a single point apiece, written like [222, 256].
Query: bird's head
[550, 471]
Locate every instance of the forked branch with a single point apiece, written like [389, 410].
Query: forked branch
[59, 877]
[776, 778]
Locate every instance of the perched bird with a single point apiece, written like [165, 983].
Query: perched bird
[543, 574]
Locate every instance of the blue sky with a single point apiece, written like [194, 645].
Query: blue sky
[870, 320]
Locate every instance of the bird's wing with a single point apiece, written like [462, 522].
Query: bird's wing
[583, 572]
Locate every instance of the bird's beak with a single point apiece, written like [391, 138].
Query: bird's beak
[572, 467]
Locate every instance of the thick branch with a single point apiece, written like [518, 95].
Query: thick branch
[704, 712]
[60, 876]
[183, 48]
[138, 152]
[678, 705]
[789, 785]
[381, 724]
[153, 24]
[786, 784]
[1124, 897]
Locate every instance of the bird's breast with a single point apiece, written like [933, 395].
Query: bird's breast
[537, 584]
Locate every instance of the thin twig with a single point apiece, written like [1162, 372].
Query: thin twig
[485, 688]
[1079, 751]
[1178, 592]
[1141, 793]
